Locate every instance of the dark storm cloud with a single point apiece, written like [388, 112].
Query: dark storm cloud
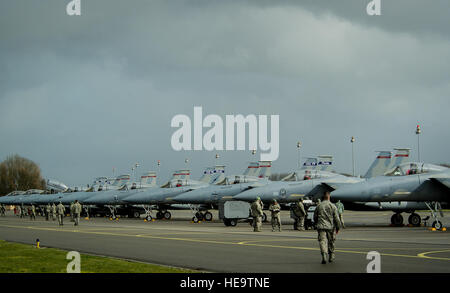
[81, 95]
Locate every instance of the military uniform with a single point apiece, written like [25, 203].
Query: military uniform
[299, 211]
[2, 209]
[76, 212]
[340, 209]
[60, 210]
[327, 222]
[33, 212]
[48, 210]
[71, 212]
[54, 211]
[22, 211]
[275, 210]
[257, 213]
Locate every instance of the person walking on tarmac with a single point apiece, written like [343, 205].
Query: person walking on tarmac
[22, 211]
[275, 210]
[72, 204]
[257, 213]
[328, 225]
[54, 211]
[76, 212]
[33, 212]
[48, 210]
[300, 213]
[340, 209]
[60, 210]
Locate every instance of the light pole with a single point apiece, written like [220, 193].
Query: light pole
[418, 131]
[352, 140]
[159, 171]
[217, 159]
[135, 174]
[299, 145]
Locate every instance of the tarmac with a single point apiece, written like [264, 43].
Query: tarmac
[213, 247]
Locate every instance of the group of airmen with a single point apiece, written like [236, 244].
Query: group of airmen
[328, 219]
[51, 212]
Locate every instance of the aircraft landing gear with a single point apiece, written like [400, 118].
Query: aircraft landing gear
[414, 219]
[199, 216]
[112, 211]
[167, 215]
[434, 208]
[148, 211]
[208, 216]
[397, 219]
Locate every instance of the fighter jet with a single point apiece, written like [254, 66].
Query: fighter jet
[110, 199]
[408, 182]
[286, 191]
[256, 174]
[163, 197]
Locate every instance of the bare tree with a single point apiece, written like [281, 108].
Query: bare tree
[18, 173]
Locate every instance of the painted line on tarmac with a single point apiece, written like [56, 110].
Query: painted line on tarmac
[425, 254]
[420, 256]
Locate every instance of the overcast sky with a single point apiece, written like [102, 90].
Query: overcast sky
[80, 95]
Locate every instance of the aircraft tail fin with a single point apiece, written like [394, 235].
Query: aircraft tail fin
[219, 174]
[325, 163]
[148, 178]
[310, 163]
[208, 174]
[401, 156]
[265, 169]
[380, 165]
[182, 174]
[252, 169]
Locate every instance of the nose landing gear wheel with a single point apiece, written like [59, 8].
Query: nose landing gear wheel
[437, 225]
[414, 219]
[149, 218]
[397, 219]
[195, 219]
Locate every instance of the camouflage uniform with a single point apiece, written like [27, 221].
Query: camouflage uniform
[299, 211]
[48, 210]
[76, 212]
[71, 209]
[340, 209]
[257, 213]
[60, 210]
[54, 211]
[2, 209]
[33, 212]
[327, 221]
[275, 212]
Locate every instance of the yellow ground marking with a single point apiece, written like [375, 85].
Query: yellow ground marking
[425, 254]
[420, 256]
